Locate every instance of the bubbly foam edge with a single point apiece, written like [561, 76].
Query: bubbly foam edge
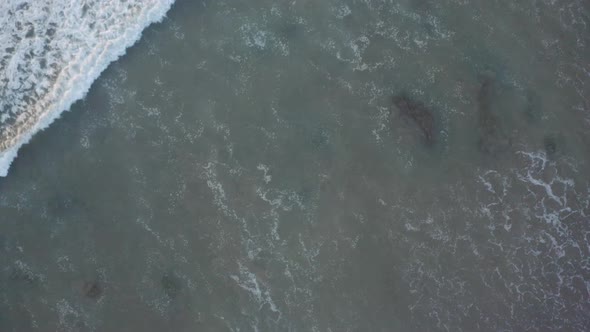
[154, 15]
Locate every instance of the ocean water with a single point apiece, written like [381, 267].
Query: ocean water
[329, 165]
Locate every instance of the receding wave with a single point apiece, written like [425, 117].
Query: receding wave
[52, 51]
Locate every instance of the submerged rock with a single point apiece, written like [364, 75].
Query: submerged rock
[550, 145]
[419, 114]
[92, 289]
[553, 144]
[171, 285]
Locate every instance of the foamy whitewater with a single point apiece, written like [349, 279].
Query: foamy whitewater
[52, 51]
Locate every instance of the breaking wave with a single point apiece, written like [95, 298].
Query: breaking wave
[52, 51]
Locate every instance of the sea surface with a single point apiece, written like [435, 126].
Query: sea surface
[333, 165]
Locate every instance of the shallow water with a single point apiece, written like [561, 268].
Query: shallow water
[245, 167]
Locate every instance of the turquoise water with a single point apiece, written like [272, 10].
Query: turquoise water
[315, 166]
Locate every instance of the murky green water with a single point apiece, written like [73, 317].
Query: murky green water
[244, 168]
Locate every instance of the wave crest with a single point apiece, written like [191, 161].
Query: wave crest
[52, 51]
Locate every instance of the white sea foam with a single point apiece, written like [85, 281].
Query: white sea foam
[52, 51]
